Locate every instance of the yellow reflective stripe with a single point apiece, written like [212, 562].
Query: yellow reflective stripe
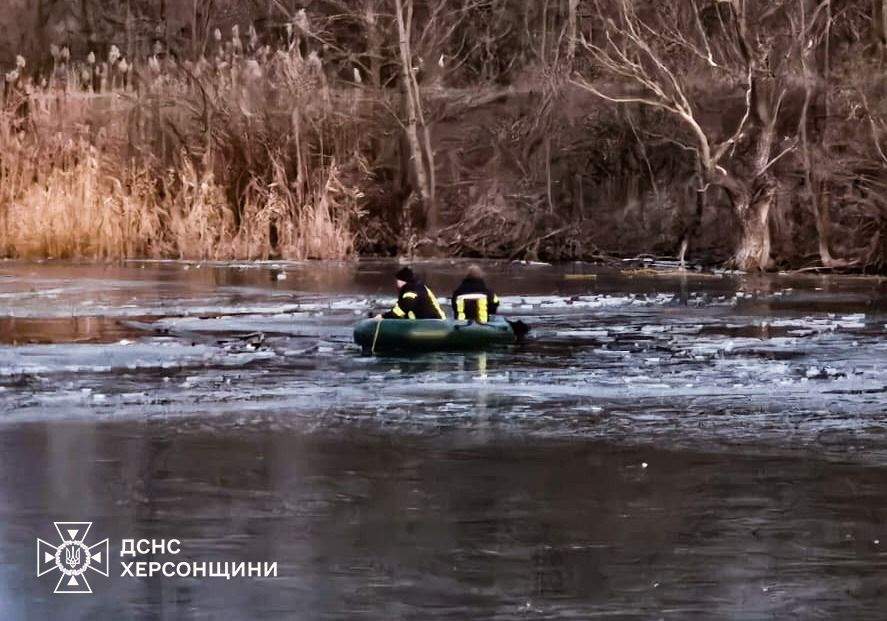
[437, 308]
[409, 295]
[495, 299]
[480, 299]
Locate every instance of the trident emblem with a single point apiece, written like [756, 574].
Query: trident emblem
[72, 557]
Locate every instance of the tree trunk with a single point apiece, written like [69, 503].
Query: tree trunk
[127, 28]
[813, 186]
[879, 25]
[816, 198]
[543, 53]
[572, 29]
[410, 91]
[823, 227]
[883, 27]
[754, 198]
[374, 43]
[701, 190]
[753, 211]
[432, 216]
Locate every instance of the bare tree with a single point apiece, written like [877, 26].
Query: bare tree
[426, 59]
[417, 130]
[667, 53]
[810, 28]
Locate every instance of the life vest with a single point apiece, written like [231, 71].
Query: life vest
[415, 300]
[474, 301]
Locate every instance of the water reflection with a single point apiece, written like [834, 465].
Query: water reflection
[453, 525]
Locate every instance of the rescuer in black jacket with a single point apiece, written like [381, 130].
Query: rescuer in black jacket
[473, 300]
[414, 299]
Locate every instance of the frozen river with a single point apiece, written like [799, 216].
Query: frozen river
[664, 445]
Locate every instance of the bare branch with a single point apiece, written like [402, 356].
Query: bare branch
[773, 161]
[625, 100]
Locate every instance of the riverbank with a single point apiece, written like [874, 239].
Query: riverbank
[262, 149]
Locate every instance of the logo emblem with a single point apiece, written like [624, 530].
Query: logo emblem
[72, 557]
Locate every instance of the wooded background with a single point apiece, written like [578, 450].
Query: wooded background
[750, 132]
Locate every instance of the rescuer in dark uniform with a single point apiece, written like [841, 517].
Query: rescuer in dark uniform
[414, 299]
[473, 300]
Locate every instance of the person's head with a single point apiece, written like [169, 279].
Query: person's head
[474, 271]
[404, 275]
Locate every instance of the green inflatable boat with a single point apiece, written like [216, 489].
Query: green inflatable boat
[416, 335]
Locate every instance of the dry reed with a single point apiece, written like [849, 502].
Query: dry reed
[246, 156]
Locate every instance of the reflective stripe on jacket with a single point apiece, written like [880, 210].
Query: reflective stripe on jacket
[415, 301]
[474, 301]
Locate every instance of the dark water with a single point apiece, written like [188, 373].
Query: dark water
[667, 446]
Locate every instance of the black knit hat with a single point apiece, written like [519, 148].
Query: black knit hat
[405, 274]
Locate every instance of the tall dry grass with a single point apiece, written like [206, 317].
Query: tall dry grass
[248, 155]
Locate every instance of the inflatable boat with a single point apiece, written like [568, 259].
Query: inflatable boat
[417, 335]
